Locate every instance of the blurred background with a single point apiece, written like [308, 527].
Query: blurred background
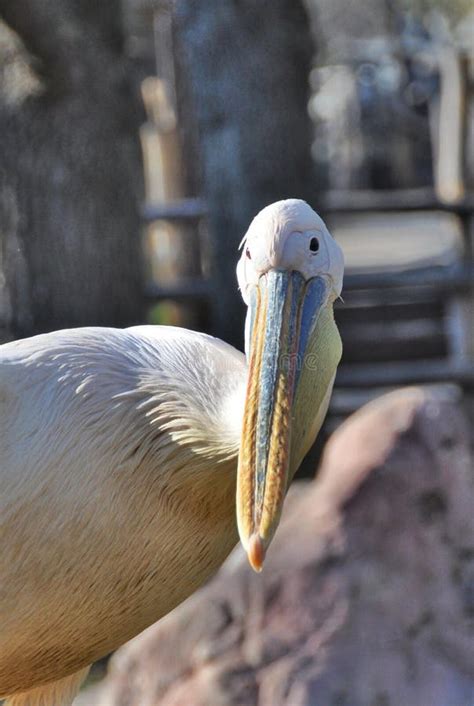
[138, 138]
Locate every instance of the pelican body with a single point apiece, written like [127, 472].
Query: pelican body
[124, 455]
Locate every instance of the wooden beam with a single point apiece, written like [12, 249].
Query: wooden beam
[405, 373]
[184, 290]
[458, 277]
[355, 201]
[186, 209]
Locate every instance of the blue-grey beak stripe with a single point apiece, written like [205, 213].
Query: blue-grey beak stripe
[276, 354]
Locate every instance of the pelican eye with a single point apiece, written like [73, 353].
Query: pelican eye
[314, 245]
[247, 254]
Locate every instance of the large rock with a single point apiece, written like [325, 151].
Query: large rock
[367, 594]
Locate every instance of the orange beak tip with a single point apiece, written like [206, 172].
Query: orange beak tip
[256, 553]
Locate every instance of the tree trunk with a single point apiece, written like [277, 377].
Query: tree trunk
[244, 67]
[70, 168]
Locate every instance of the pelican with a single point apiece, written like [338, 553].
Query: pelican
[124, 453]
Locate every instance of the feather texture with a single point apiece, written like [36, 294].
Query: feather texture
[109, 441]
[118, 456]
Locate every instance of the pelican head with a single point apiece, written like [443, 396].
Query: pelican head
[290, 273]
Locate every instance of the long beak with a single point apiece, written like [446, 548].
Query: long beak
[283, 311]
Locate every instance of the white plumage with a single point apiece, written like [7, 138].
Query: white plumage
[118, 455]
[86, 416]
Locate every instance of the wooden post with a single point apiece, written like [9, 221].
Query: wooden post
[171, 248]
[449, 149]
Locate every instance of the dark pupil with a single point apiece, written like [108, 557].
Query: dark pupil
[314, 245]
[247, 252]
